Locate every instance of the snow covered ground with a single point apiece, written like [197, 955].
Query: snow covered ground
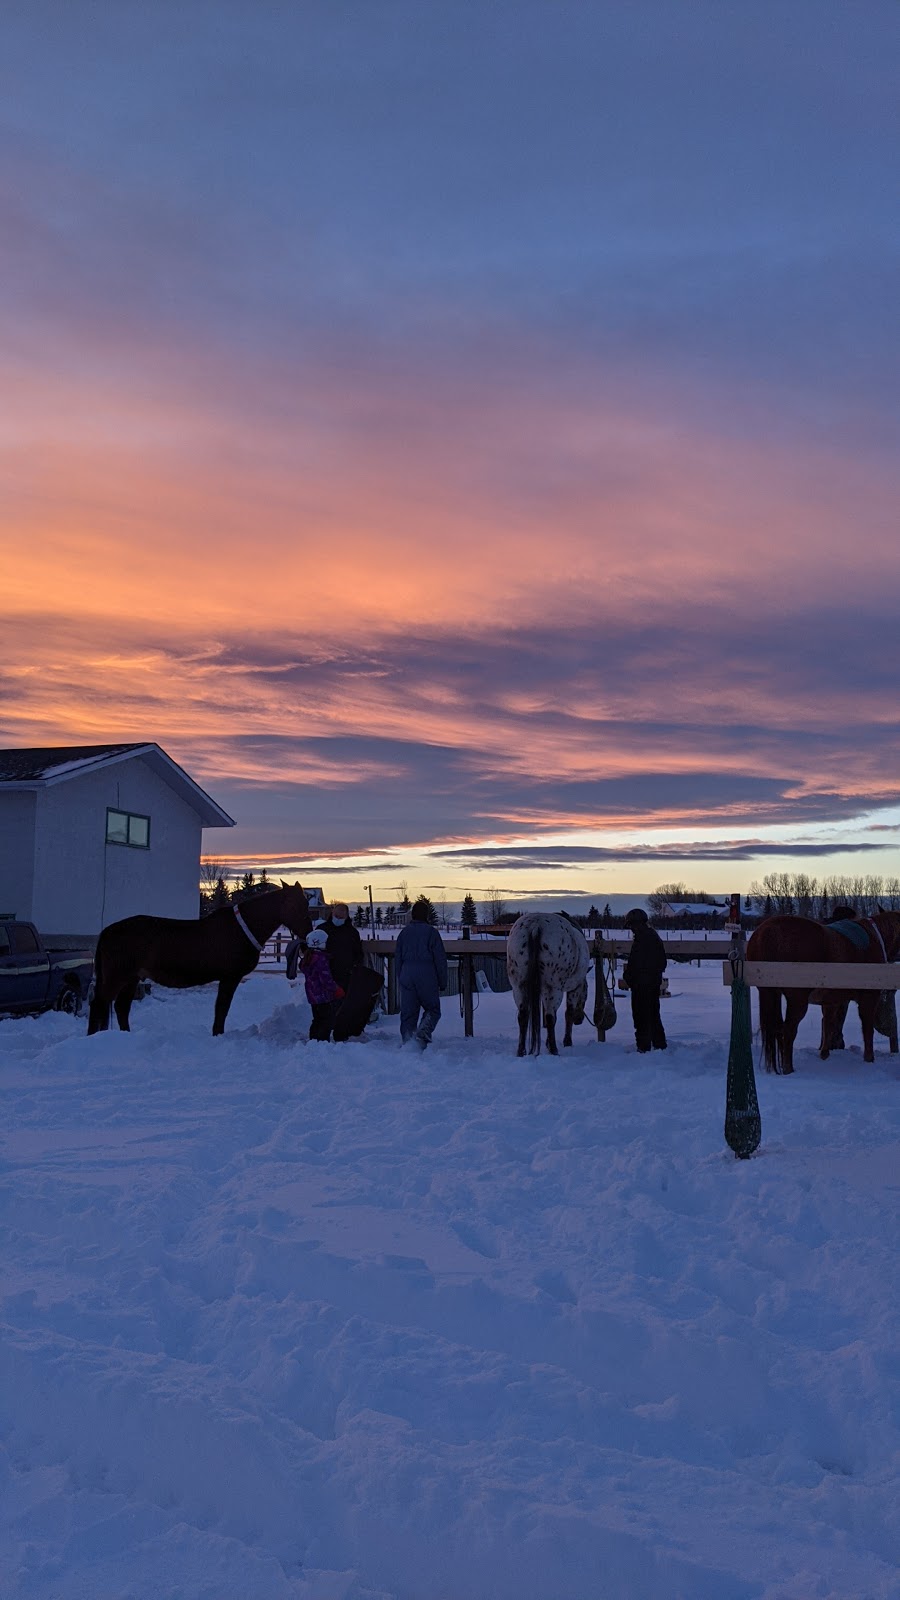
[305, 1322]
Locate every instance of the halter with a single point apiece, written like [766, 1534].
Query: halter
[244, 929]
[870, 923]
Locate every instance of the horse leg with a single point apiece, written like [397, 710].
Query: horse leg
[794, 1012]
[98, 1016]
[122, 1004]
[570, 1018]
[550, 1025]
[868, 1005]
[523, 1014]
[834, 1014]
[227, 990]
[771, 1027]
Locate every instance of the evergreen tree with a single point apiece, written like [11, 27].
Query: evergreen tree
[220, 895]
[379, 916]
[469, 913]
[359, 919]
[607, 915]
[593, 918]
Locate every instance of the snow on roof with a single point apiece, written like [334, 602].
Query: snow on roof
[33, 765]
[690, 908]
[41, 766]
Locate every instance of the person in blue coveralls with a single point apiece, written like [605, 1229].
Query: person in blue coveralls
[421, 974]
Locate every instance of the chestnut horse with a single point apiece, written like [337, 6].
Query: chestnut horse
[787, 938]
[178, 954]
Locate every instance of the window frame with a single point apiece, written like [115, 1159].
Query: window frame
[130, 816]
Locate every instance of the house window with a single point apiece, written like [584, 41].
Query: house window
[127, 827]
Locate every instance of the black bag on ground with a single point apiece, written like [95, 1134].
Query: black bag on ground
[355, 1008]
[604, 1004]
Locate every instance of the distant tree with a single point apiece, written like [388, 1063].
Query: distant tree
[496, 905]
[593, 918]
[221, 895]
[212, 872]
[379, 916]
[607, 915]
[469, 912]
[423, 900]
[403, 900]
[359, 920]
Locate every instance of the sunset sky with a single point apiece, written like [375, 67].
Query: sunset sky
[463, 433]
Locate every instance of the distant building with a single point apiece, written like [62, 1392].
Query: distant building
[692, 910]
[92, 833]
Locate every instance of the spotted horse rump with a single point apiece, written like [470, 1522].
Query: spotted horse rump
[547, 957]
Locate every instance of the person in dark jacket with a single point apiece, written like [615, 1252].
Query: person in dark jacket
[421, 974]
[322, 992]
[642, 974]
[344, 944]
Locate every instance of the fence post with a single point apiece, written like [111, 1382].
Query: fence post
[743, 1125]
[598, 985]
[466, 983]
[393, 998]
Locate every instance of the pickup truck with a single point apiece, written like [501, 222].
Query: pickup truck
[33, 978]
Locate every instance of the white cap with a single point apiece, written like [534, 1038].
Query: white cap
[316, 940]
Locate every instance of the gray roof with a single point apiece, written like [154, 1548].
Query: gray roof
[38, 767]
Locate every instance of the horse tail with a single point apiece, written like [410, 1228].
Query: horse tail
[771, 1027]
[532, 988]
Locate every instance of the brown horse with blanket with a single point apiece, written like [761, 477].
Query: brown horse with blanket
[787, 938]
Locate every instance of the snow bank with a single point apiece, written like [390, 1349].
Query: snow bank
[303, 1322]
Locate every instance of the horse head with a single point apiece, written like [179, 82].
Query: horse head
[888, 925]
[295, 909]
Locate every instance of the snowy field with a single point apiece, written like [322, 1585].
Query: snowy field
[305, 1322]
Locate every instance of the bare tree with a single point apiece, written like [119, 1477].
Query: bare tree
[211, 871]
[496, 904]
[666, 895]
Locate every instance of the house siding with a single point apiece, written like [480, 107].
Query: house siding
[81, 883]
[17, 823]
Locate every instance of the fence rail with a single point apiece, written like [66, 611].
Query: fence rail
[817, 975]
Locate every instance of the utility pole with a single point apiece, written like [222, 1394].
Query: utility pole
[368, 887]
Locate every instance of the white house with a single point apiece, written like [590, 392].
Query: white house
[97, 832]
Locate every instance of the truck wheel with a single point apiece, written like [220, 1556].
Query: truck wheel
[69, 1000]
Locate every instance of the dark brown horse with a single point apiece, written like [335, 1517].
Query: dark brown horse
[178, 954]
[800, 939]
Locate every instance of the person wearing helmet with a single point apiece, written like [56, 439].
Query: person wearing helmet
[643, 970]
[323, 994]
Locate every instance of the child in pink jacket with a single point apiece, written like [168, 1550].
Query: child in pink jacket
[323, 994]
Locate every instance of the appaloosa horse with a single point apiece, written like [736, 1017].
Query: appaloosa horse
[178, 954]
[547, 957]
[787, 938]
